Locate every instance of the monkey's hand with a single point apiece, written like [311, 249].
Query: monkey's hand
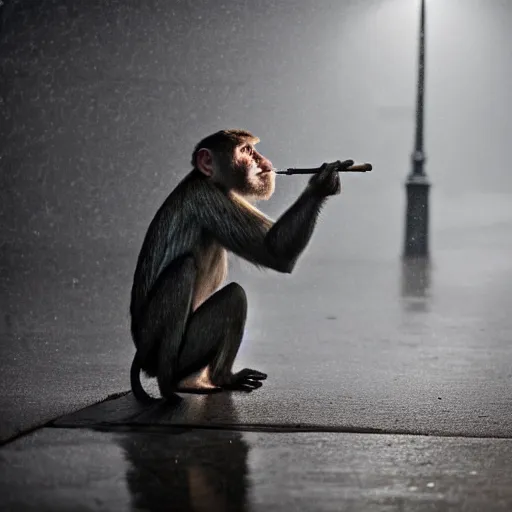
[327, 181]
[245, 380]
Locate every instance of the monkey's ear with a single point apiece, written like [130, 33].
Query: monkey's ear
[204, 161]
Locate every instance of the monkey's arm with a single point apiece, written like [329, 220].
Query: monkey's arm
[245, 231]
[290, 235]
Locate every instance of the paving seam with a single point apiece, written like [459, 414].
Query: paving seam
[151, 427]
[48, 424]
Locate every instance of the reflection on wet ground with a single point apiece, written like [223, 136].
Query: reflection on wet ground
[415, 284]
[208, 470]
[184, 469]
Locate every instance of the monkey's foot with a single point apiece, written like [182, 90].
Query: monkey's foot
[245, 380]
[198, 384]
[198, 389]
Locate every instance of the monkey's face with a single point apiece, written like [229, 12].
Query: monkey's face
[252, 174]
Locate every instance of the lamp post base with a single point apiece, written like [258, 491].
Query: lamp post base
[416, 227]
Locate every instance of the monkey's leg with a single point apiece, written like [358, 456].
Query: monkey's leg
[217, 324]
[164, 320]
[185, 343]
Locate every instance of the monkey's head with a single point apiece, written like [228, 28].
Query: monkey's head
[229, 158]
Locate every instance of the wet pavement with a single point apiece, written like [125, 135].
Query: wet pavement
[361, 359]
[180, 469]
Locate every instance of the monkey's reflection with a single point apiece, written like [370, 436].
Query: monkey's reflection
[415, 284]
[189, 469]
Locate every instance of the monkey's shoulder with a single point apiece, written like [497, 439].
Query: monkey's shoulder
[176, 216]
[183, 213]
[186, 193]
[176, 203]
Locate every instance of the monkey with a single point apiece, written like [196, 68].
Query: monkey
[186, 328]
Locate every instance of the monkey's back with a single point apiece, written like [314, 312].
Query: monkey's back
[170, 234]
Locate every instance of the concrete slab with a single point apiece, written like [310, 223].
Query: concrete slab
[178, 469]
[275, 409]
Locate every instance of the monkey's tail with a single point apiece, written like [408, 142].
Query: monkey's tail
[138, 391]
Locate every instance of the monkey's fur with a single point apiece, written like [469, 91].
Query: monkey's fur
[186, 330]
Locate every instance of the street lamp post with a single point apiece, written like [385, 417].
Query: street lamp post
[417, 184]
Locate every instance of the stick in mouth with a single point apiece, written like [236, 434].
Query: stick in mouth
[353, 168]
